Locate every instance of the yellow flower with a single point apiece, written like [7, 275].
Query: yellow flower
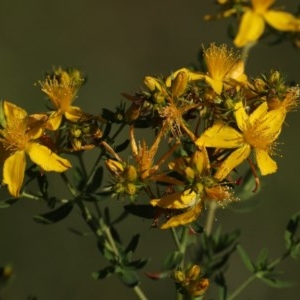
[257, 131]
[18, 137]
[253, 22]
[223, 65]
[62, 88]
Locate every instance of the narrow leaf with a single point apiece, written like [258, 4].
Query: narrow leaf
[8, 203]
[103, 273]
[56, 215]
[172, 260]
[133, 243]
[244, 256]
[96, 181]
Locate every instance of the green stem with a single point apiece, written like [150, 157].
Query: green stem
[210, 218]
[137, 289]
[242, 287]
[246, 50]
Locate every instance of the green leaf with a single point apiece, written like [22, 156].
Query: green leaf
[196, 227]
[129, 278]
[56, 215]
[137, 264]
[79, 178]
[295, 252]
[8, 203]
[96, 181]
[80, 233]
[291, 229]
[172, 260]
[122, 147]
[133, 244]
[244, 256]
[262, 259]
[275, 282]
[104, 273]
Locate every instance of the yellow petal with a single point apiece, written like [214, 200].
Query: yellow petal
[13, 112]
[258, 114]
[241, 116]
[261, 5]
[46, 159]
[251, 28]
[178, 200]
[220, 136]
[216, 84]
[232, 161]
[184, 218]
[13, 172]
[282, 21]
[265, 163]
[74, 113]
[54, 120]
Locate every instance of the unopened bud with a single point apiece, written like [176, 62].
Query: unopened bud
[179, 276]
[75, 132]
[130, 189]
[132, 113]
[179, 84]
[130, 173]
[193, 272]
[152, 83]
[114, 166]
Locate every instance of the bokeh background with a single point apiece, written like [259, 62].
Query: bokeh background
[117, 43]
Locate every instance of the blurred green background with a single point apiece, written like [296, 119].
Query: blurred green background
[117, 43]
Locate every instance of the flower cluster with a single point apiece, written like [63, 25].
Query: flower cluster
[212, 121]
[206, 124]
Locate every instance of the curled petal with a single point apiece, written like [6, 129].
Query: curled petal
[184, 218]
[178, 200]
[13, 172]
[251, 28]
[232, 161]
[46, 159]
[265, 163]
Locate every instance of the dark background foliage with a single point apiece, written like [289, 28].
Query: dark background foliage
[117, 43]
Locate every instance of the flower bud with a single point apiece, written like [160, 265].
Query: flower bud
[193, 272]
[152, 83]
[130, 173]
[132, 113]
[75, 132]
[198, 288]
[179, 84]
[179, 276]
[130, 189]
[114, 166]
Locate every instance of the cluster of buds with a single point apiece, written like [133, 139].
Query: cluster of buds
[190, 282]
[125, 178]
